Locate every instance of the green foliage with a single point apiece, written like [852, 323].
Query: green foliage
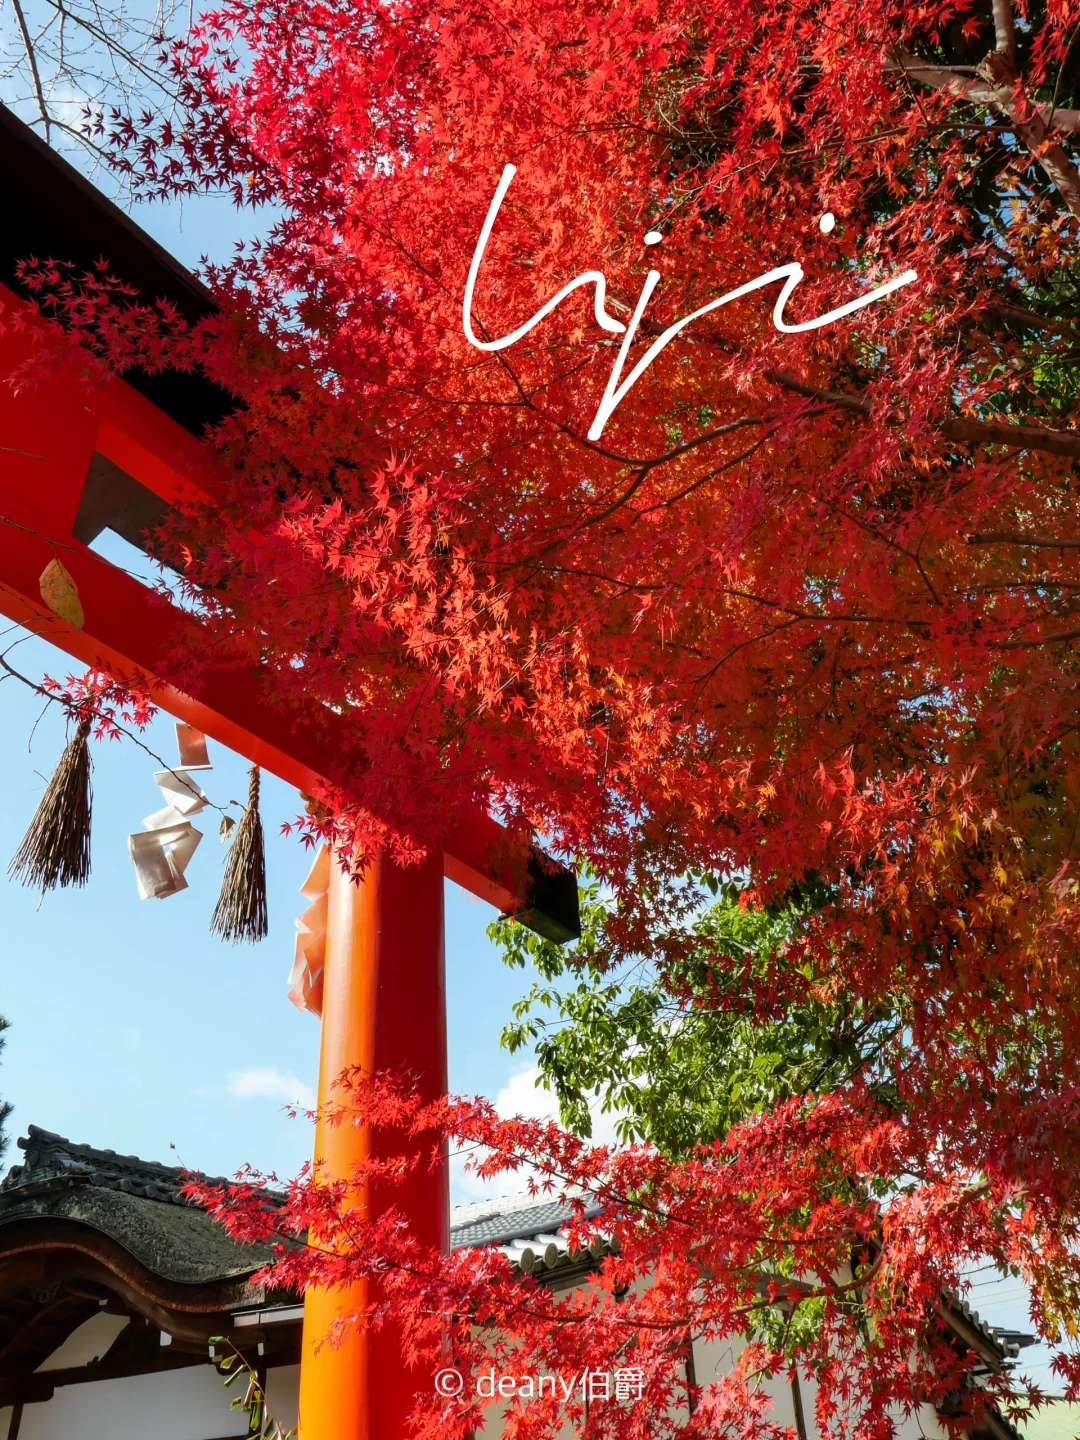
[262, 1422]
[683, 1050]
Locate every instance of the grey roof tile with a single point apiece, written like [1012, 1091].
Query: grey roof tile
[134, 1202]
[501, 1221]
[51, 1158]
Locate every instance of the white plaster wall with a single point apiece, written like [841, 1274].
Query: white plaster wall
[88, 1343]
[496, 1411]
[712, 1360]
[495, 1414]
[283, 1393]
[190, 1404]
[194, 1405]
[172, 1405]
[925, 1423]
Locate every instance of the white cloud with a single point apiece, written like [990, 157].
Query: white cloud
[269, 1084]
[466, 1187]
[521, 1096]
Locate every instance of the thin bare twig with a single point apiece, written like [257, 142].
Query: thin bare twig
[101, 715]
[31, 56]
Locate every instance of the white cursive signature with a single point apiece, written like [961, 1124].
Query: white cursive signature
[614, 393]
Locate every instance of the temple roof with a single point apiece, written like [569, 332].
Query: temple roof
[50, 1158]
[135, 1203]
[516, 1217]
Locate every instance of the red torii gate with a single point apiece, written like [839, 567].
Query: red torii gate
[71, 467]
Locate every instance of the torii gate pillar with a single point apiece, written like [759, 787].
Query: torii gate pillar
[384, 1008]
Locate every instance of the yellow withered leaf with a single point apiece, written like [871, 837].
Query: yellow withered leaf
[61, 594]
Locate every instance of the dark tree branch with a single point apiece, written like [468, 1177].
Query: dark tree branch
[1004, 29]
[953, 427]
[1058, 639]
[956, 81]
[1002, 91]
[1020, 315]
[31, 56]
[1014, 537]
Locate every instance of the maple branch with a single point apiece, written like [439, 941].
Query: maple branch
[642, 465]
[710, 475]
[1058, 638]
[953, 427]
[816, 615]
[643, 468]
[1061, 69]
[704, 439]
[955, 81]
[1022, 316]
[1014, 537]
[1004, 29]
[855, 403]
[1001, 91]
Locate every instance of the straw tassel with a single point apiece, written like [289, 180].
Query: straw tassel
[240, 913]
[56, 848]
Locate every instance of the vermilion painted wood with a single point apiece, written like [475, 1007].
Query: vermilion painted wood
[384, 997]
[48, 434]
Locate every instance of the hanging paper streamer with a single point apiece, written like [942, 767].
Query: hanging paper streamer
[162, 851]
[192, 746]
[306, 979]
